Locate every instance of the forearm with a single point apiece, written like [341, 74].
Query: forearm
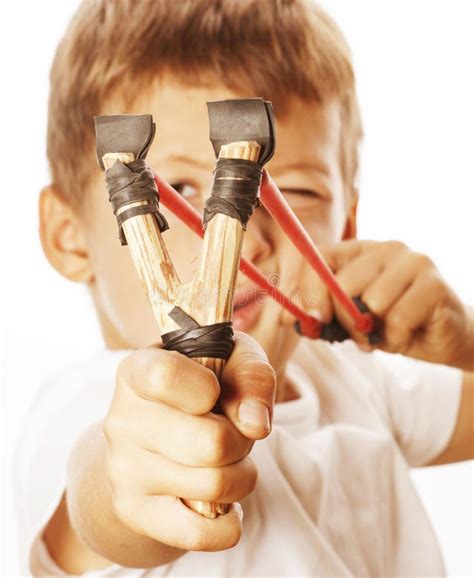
[90, 534]
[465, 354]
[461, 445]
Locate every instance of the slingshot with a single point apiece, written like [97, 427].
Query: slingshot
[196, 318]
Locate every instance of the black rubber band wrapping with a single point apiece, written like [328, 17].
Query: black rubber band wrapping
[334, 332]
[194, 340]
[235, 190]
[131, 183]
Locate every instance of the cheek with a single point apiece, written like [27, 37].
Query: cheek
[119, 294]
[326, 224]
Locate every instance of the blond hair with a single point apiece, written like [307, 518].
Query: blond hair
[269, 48]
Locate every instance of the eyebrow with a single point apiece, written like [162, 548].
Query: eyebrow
[314, 165]
[317, 165]
[198, 163]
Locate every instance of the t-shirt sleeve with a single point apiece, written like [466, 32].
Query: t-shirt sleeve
[422, 402]
[67, 403]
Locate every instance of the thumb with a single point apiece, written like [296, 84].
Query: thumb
[248, 388]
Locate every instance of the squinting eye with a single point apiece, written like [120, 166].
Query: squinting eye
[301, 192]
[185, 190]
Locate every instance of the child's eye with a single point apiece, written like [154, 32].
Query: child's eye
[303, 200]
[185, 190]
[302, 192]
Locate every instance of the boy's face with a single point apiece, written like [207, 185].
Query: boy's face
[306, 167]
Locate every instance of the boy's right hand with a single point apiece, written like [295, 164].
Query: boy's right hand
[164, 442]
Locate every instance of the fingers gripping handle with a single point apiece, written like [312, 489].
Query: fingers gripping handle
[125, 139]
[242, 134]
[122, 141]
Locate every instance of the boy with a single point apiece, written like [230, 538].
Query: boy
[333, 496]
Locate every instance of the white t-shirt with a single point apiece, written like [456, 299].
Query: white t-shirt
[334, 496]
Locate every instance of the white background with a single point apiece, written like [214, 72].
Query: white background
[414, 61]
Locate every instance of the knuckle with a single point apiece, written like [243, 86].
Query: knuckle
[108, 429]
[209, 394]
[397, 334]
[217, 484]
[112, 427]
[126, 367]
[399, 345]
[251, 345]
[445, 321]
[439, 287]
[395, 323]
[164, 374]
[216, 445]
[422, 261]
[396, 246]
[247, 476]
[266, 375]
[252, 476]
[260, 374]
[130, 371]
[152, 371]
[232, 483]
[374, 302]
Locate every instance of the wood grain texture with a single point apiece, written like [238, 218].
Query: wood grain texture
[209, 298]
[150, 257]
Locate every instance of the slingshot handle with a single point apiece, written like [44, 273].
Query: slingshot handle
[209, 298]
[216, 276]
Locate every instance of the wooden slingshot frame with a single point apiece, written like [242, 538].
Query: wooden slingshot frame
[209, 298]
[239, 129]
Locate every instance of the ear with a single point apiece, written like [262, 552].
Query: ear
[350, 229]
[63, 236]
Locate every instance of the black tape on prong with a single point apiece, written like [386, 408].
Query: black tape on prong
[237, 181]
[194, 340]
[132, 182]
[234, 191]
[334, 332]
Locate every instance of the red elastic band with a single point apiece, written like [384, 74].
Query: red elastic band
[172, 200]
[276, 204]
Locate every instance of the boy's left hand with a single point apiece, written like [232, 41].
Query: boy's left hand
[422, 316]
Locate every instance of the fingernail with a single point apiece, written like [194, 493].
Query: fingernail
[316, 314]
[240, 510]
[254, 414]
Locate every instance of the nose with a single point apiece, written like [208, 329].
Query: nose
[257, 245]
